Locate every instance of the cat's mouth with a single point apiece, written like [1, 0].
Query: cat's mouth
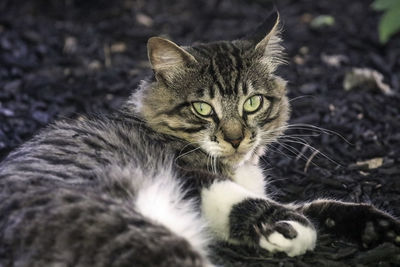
[236, 156]
[229, 154]
[233, 155]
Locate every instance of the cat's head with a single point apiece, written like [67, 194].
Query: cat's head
[222, 97]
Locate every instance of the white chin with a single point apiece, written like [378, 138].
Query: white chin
[237, 158]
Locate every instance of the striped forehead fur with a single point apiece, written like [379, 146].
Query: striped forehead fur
[224, 75]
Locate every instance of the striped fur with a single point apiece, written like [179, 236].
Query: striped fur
[149, 185]
[223, 74]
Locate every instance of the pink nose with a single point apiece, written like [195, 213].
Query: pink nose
[235, 142]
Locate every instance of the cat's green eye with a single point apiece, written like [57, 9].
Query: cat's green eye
[202, 108]
[252, 104]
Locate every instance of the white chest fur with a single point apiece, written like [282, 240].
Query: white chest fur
[221, 196]
[250, 176]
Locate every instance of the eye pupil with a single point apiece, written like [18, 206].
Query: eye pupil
[253, 104]
[202, 108]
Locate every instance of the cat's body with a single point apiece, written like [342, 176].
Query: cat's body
[79, 163]
[175, 167]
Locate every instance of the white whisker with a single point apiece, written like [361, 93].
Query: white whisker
[186, 153]
[304, 126]
[309, 160]
[304, 143]
[300, 97]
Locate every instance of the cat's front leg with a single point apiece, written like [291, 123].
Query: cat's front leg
[238, 215]
[360, 222]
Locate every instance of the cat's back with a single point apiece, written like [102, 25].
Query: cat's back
[76, 151]
[77, 195]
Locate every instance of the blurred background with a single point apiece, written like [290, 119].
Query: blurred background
[65, 58]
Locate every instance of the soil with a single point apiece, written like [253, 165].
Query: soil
[65, 58]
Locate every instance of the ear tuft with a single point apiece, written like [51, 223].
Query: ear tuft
[266, 42]
[165, 55]
[266, 30]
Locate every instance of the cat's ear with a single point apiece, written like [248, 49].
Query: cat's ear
[266, 31]
[167, 58]
[266, 41]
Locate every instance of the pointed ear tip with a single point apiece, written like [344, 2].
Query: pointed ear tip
[152, 41]
[159, 42]
[276, 15]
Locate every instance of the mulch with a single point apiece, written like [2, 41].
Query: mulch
[65, 58]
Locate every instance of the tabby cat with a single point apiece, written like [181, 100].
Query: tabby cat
[174, 168]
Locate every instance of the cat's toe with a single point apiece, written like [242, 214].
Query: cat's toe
[392, 236]
[290, 237]
[286, 229]
[370, 235]
[385, 224]
[392, 232]
[386, 229]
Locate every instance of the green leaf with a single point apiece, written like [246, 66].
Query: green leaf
[389, 24]
[322, 21]
[381, 5]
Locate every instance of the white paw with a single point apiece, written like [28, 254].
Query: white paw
[304, 240]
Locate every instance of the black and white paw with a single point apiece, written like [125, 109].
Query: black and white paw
[271, 226]
[287, 236]
[382, 228]
[362, 222]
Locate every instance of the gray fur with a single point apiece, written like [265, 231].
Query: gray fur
[65, 200]
[68, 197]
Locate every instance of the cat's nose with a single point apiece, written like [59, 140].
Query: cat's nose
[234, 142]
[233, 131]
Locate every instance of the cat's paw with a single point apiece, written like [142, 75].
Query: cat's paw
[367, 224]
[271, 226]
[380, 228]
[290, 237]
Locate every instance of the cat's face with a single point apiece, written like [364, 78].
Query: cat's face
[221, 97]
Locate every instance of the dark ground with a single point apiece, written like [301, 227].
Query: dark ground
[64, 58]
